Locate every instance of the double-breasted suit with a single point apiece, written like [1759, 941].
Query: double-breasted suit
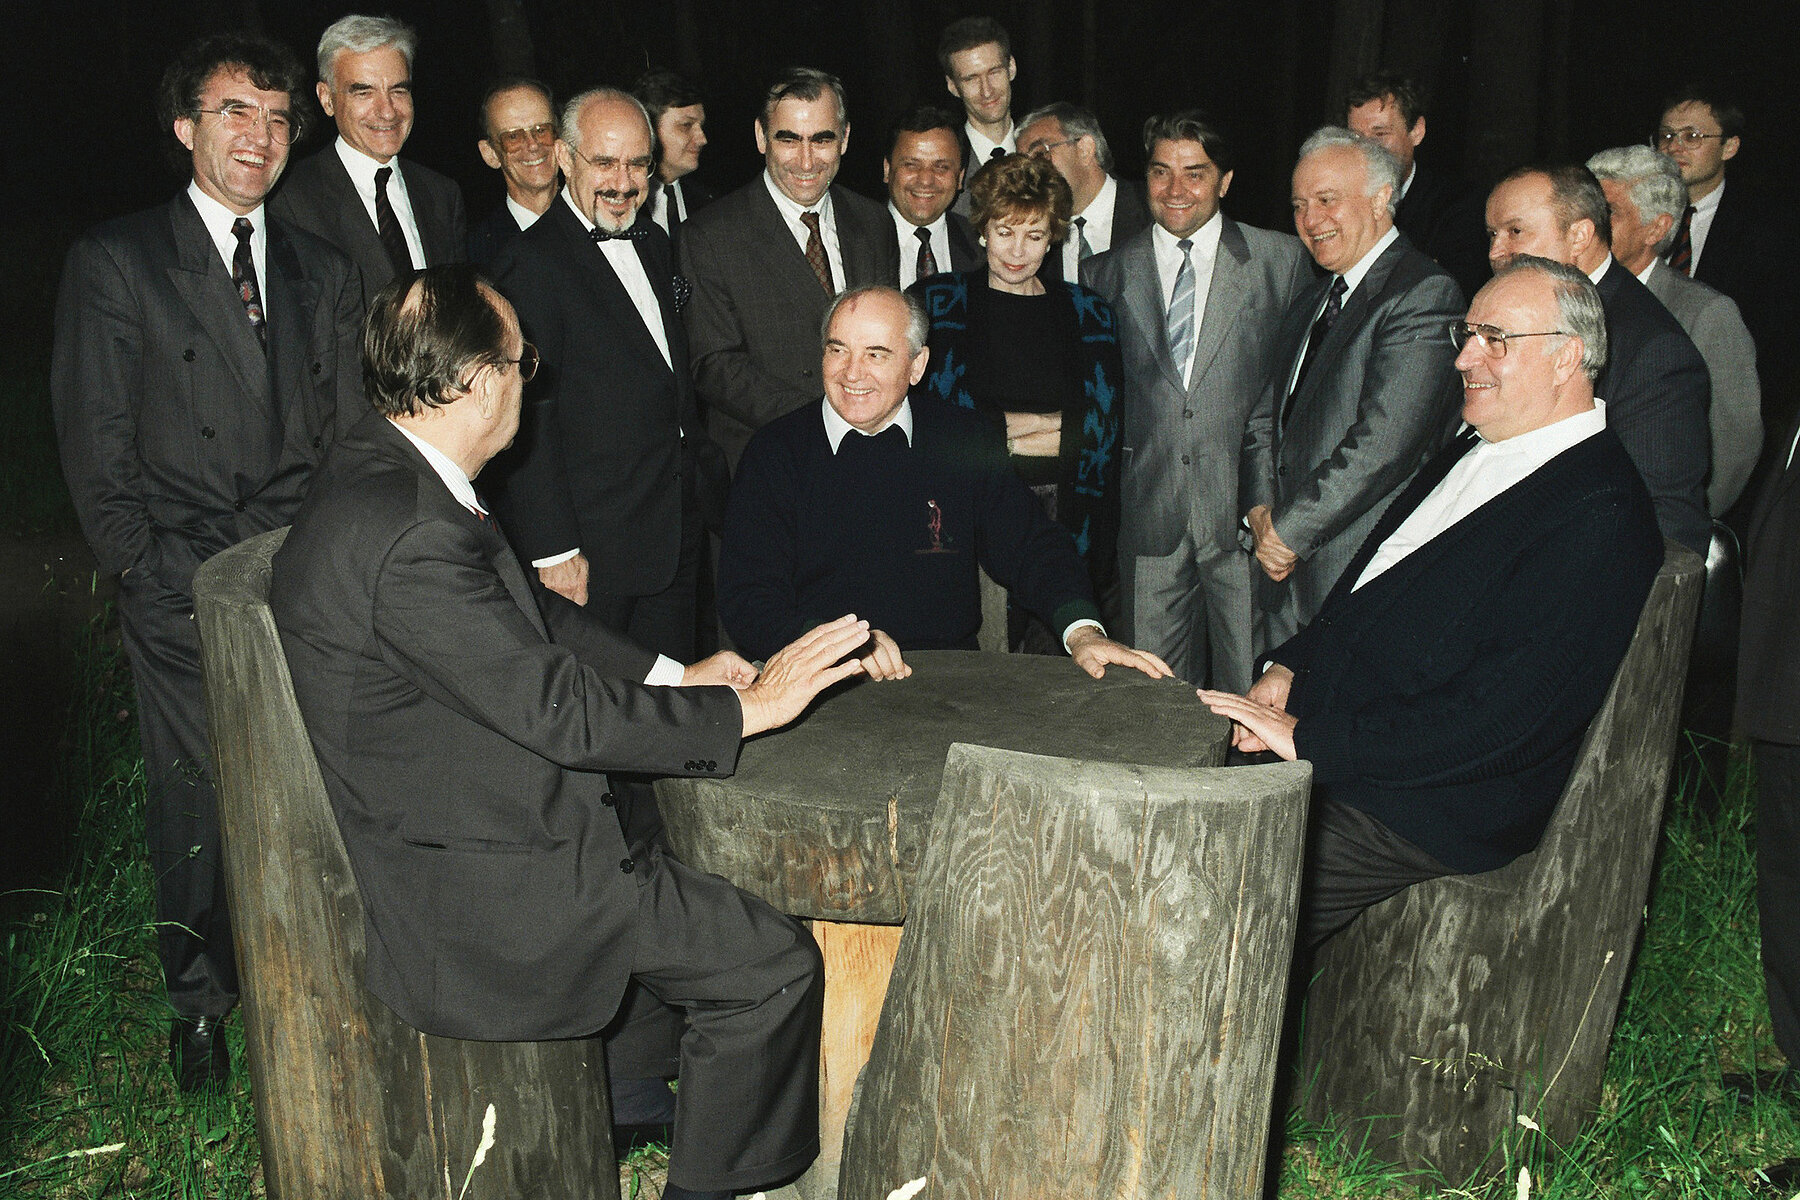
[180, 436]
[1185, 580]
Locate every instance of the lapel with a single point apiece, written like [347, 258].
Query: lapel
[1143, 294]
[199, 277]
[855, 242]
[965, 252]
[1225, 299]
[294, 301]
[344, 211]
[772, 244]
[1357, 310]
[589, 261]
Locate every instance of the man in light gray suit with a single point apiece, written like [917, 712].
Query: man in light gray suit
[766, 260]
[1647, 196]
[1199, 300]
[1364, 388]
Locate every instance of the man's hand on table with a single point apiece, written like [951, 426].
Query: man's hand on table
[1093, 651]
[801, 670]
[883, 659]
[1259, 719]
[725, 667]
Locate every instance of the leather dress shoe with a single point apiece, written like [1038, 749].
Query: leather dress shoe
[197, 1053]
[1782, 1177]
[1776, 1081]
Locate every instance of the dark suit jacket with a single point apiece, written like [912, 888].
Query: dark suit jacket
[1446, 221]
[1768, 705]
[1748, 256]
[179, 436]
[966, 252]
[317, 195]
[1380, 397]
[753, 324]
[1656, 390]
[1447, 697]
[599, 460]
[1131, 216]
[495, 230]
[461, 730]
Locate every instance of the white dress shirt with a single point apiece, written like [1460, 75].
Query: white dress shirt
[828, 231]
[1203, 254]
[1098, 216]
[662, 195]
[523, 217]
[218, 221]
[1487, 470]
[1705, 209]
[908, 236]
[665, 672]
[362, 170]
[984, 146]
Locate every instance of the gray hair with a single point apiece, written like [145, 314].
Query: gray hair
[803, 83]
[1379, 164]
[1657, 187]
[918, 327]
[359, 35]
[1578, 308]
[568, 124]
[1076, 122]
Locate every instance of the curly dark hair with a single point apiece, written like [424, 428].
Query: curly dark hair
[270, 66]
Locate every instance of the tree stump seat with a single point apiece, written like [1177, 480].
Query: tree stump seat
[1447, 1014]
[351, 1102]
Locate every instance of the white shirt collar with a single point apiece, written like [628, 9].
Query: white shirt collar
[1406, 186]
[836, 427]
[1709, 203]
[1599, 272]
[790, 211]
[1205, 239]
[569, 199]
[218, 221]
[1100, 209]
[1648, 271]
[1366, 263]
[984, 146]
[449, 472]
[1545, 443]
[941, 225]
[362, 168]
[523, 217]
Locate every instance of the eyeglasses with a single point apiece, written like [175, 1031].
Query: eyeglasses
[527, 362]
[1491, 338]
[1043, 149]
[634, 166]
[242, 118]
[528, 135]
[1687, 137]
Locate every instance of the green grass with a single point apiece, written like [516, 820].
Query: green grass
[87, 1107]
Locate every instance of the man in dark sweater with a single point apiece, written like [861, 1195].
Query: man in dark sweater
[887, 505]
[1443, 689]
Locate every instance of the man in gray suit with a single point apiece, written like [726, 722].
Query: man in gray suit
[1199, 300]
[1646, 197]
[1364, 388]
[387, 213]
[766, 260]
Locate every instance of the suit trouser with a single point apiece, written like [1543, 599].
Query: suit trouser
[1192, 609]
[182, 814]
[1778, 886]
[1353, 862]
[751, 983]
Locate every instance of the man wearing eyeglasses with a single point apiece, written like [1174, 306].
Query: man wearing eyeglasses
[389, 214]
[518, 139]
[1107, 211]
[1444, 688]
[203, 350]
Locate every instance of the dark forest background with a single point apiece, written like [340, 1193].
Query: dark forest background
[1511, 81]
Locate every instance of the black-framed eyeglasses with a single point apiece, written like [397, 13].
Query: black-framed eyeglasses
[1687, 137]
[1491, 338]
[527, 362]
[518, 139]
[241, 118]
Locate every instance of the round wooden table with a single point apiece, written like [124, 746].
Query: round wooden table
[827, 819]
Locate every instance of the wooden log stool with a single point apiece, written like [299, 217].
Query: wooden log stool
[1446, 1013]
[352, 1103]
[1089, 993]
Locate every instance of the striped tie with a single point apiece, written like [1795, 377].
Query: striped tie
[1181, 310]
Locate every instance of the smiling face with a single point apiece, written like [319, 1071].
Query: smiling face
[682, 132]
[1332, 215]
[1522, 219]
[370, 98]
[236, 167]
[609, 168]
[1184, 185]
[981, 77]
[923, 173]
[1520, 390]
[868, 365]
[1016, 245]
[1380, 121]
[521, 141]
[803, 145]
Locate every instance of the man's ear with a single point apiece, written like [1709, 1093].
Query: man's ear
[1416, 134]
[917, 372]
[1583, 234]
[325, 99]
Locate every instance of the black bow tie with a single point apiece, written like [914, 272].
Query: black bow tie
[606, 235]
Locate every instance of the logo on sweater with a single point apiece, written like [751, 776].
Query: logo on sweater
[936, 528]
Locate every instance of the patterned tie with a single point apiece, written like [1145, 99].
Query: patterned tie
[815, 252]
[630, 233]
[1681, 254]
[1181, 309]
[243, 274]
[1083, 251]
[392, 239]
[1334, 304]
[927, 260]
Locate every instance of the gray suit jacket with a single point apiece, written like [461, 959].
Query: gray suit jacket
[1711, 318]
[753, 321]
[317, 196]
[1380, 396]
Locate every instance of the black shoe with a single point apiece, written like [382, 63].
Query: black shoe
[630, 1138]
[197, 1053]
[1773, 1082]
[1782, 1177]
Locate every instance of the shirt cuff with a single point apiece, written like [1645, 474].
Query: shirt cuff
[666, 673]
[1074, 625]
[564, 557]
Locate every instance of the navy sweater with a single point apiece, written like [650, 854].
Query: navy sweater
[890, 532]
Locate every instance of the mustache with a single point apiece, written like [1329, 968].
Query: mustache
[618, 195]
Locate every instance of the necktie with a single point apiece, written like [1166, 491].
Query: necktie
[243, 274]
[674, 210]
[815, 252]
[1083, 250]
[1334, 304]
[996, 152]
[1681, 254]
[1181, 309]
[927, 260]
[629, 233]
[388, 225]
